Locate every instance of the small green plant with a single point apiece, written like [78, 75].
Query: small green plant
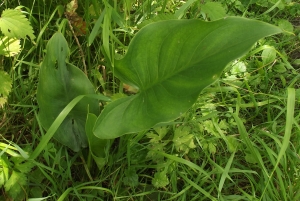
[238, 141]
[14, 26]
[14, 166]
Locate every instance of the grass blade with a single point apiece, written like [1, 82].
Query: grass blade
[226, 171]
[288, 129]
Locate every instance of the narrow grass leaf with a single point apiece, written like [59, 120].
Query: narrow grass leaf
[106, 31]
[183, 161]
[204, 192]
[65, 194]
[247, 141]
[225, 173]
[287, 134]
[40, 199]
[181, 11]
[95, 30]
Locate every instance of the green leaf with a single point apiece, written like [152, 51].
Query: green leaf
[210, 128]
[171, 62]
[232, 144]
[183, 140]
[4, 169]
[250, 158]
[24, 167]
[268, 55]
[5, 87]
[286, 25]
[296, 62]
[59, 83]
[212, 148]
[160, 180]
[14, 185]
[155, 147]
[131, 178]
[157, 138]
[182, 10]
[9, 46]
[15, 25]
[157, 18]
[214, 10]
[99, 148]
[2, 101]
[161, 131]
[279, 68]
[5, 83]
[238, 68]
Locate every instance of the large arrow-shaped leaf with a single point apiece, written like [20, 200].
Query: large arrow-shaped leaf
[59, 83]
[171, 62]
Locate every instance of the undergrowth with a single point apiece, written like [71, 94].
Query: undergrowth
[209, 153]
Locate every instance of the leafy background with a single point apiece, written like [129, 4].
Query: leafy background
[207, 154]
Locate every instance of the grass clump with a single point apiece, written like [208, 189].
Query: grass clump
[240, 141]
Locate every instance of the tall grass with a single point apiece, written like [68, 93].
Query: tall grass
[245, 128]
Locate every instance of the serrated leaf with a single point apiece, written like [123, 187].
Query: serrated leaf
[214, 10]
[37, 193]
[161, 131]
[232, 144]
[131, 178]
[59, 83]
[24, 167]
[212, 148]
[171, 62]
[183, 140]
[2, 101]
[14, 24]
[4, 169]
[154, 137]
[160, 180]
[153, 149]
[9, 46]
[15, 184]
[210, 128]
[5, 87]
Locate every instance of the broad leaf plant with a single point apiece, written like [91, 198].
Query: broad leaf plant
[170, 62]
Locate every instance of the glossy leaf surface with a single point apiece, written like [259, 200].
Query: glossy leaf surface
[171, 62]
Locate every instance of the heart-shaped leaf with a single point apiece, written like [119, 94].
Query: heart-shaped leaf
[59, 83]
[171, 62]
